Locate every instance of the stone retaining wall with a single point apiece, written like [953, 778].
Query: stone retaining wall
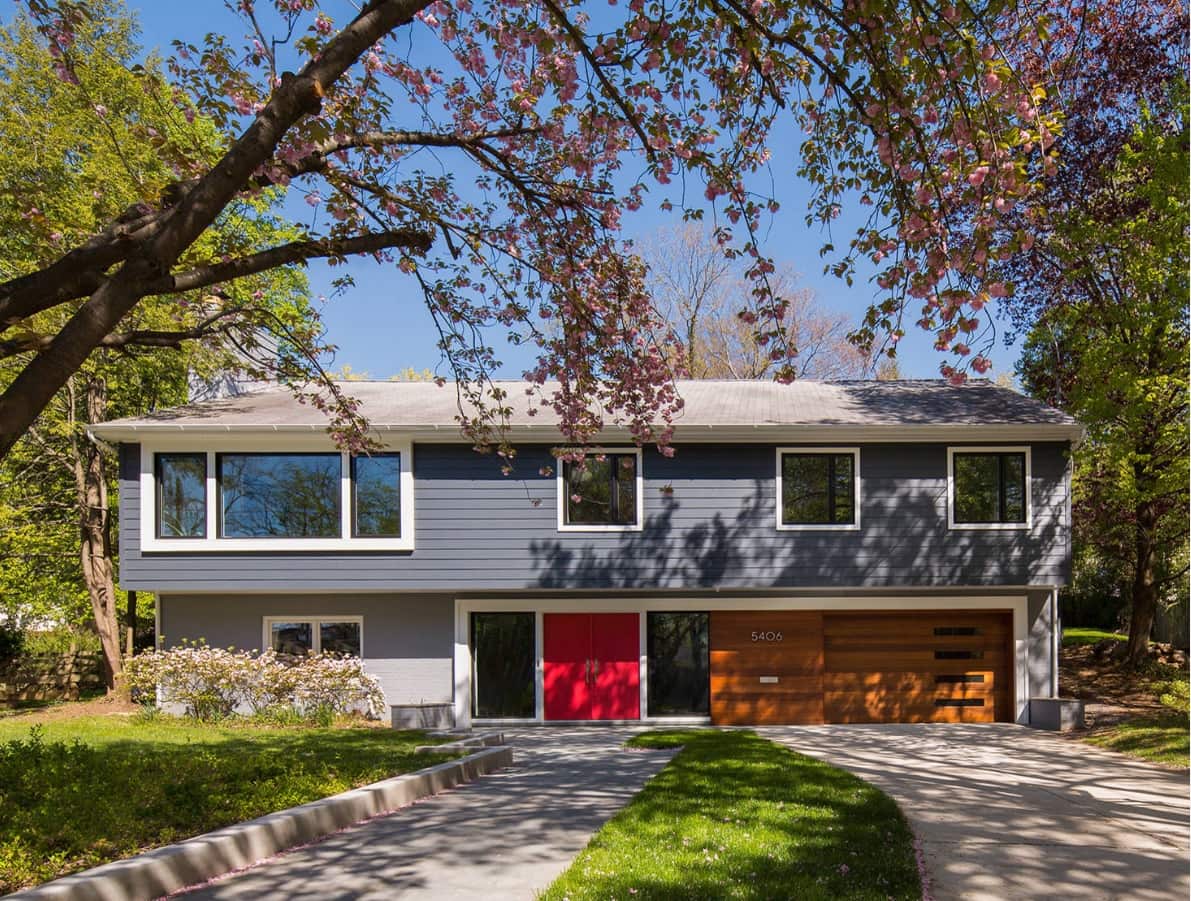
[50, 677]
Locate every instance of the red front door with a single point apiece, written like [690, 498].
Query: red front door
[590, 666]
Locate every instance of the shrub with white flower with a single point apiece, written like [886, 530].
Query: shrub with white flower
[211, 683]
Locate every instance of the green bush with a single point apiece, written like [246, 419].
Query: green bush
[63, 640]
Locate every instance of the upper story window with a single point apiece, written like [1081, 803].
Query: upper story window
[818, 488]
[603, 492]
[181, 495]
[240, 497]
[279, 495]
[376, 496]
[989, 488]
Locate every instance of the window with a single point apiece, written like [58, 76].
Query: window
[602, 492]
[989, 487]
[818, 488]
[240, 496]
[279, 495]
[376, 496]
[502, 665]
[303, 635]
[181, 495]
[678, 664]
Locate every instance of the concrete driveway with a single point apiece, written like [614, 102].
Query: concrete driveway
[1007, 812]
[505, 836]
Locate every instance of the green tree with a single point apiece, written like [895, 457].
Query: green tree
[1114, 353]
[75, 157]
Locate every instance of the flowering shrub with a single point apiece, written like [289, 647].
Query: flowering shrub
[211, 683]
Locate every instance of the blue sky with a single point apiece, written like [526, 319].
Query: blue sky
[381, 326]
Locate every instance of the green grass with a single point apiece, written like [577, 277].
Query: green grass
[1161, 739]
[77, 793]
[736, 816]
[1073, 637]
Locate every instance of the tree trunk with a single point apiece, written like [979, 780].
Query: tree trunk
[1145, 587]
[95, 533]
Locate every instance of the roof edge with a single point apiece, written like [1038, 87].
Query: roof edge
[759, 433]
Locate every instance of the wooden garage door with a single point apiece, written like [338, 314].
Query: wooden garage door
[917, 667]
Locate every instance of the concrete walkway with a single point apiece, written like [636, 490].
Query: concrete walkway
[1008, 812]
[506, 836]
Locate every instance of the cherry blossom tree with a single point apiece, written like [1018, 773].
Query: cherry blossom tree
[491, 152]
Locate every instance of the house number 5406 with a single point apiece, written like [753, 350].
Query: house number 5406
[767, 636]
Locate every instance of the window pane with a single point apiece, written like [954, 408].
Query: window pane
[279, 495]
[502, 661]
[291, 638]
[842, 487]
[626, 488]
[376, 482]
[602, 491]
[339, 638]
[976, 486]
[678, 664]
[1014, 486]
[804, 488]
[181, 495]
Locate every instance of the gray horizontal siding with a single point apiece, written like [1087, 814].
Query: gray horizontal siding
[713, 528]
[408, 642]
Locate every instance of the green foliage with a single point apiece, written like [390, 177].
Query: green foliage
[76, 157]
[77, 793]
[1115, 355]
[1176, 696]
[12, 642]
[735, 816]
[62, 640]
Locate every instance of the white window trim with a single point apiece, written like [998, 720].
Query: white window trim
[561, 491]
[212, 543]
[824, 526]
[988, 526]
[315, 639]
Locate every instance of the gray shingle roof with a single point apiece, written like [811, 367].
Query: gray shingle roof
[724, 405]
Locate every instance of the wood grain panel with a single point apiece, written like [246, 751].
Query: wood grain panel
[738, 696]
[886, 667]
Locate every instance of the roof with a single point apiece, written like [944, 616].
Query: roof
[714, 410]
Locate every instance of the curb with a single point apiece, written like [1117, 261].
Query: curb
[468, 743]
[173, 867]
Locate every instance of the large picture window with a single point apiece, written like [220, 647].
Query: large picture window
[601, 491]
[181, 481]
[289, 495]
[678, 664]
[239, 496]
[376, 496]
[989, 488]
[502, 665]
[818, 488]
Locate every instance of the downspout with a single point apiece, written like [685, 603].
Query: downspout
[1054, 642]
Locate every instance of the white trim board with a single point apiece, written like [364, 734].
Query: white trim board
[1017, 604]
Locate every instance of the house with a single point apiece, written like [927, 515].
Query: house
[821, 551]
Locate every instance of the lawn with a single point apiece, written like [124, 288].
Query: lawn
[1074, 637]
[1162, 739]
[736, 816]
[75, 793]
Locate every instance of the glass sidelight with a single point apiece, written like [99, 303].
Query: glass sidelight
[502, 665]
[678, 664]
